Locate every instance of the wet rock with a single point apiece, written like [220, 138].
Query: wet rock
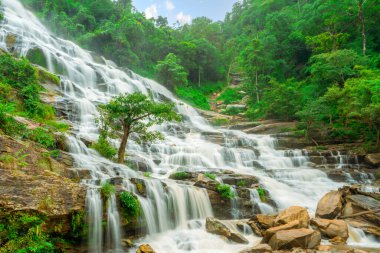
[261, 248]
[331, 228]
[215, 226]
[207, 184]
[10, 40]
[239, 180]
[65, 158]
[289, 239]
[373, 159]
[330, 205]
[293, 213]
[140, 186]
[145, 248]
[127, 243]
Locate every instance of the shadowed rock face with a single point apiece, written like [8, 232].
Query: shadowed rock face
[31, 181]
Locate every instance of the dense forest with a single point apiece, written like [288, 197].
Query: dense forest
[311, 60]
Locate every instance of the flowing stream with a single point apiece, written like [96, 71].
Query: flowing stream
[174, 213]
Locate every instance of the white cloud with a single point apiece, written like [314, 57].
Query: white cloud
[151, 11]
[169, 5]
[183, 18]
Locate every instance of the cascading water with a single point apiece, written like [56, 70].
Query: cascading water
[174, 213]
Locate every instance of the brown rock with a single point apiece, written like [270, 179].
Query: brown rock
[330, 205]
[291, 214]
[215, 226]
[338, 240]
[373, 159]
[288, 239]
[265, 221]
[261, 248]
[331, 228]
[324, 248]
[145, 248]
[270, 232]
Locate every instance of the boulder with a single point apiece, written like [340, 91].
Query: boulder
[270, 232]
[331, 228]
[295, 238]
[216, 227]
[261, 222]
[145, 248]
[330, 205]
[261, 248]
[373, 159]
[293, 213]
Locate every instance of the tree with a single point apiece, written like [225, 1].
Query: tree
[170, 72]
[134, 114]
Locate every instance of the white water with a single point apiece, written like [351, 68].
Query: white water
[174, 213]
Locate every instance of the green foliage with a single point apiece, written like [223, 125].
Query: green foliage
[170, 73]
[134, 114]
[41, 136]
[241, 183]
[225, 191]
[78, 224]
[147, 174]
[262, 194]
[193, 96]
[104, 148]
[181, 175]
[21, 233]
[230, 96]
[14, 161]
[210, 175]
[106, 190]
[220, 121]
[130, 205]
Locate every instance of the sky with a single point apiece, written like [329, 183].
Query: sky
[184, 11]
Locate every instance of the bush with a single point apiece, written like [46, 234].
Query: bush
[23, 234]
[262, 194]
[104, 148]
[42, 137]
[193, 96]
[230, 95]
[241, 183]
[130, 205]
[182, 175]
[209, 175]
[225, 191]
[106, 190]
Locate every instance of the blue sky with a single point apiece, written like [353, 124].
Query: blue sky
[184, 11]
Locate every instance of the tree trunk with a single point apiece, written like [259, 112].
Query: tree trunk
[257, 83]
[199, 76]
[123, 145]
[362, 20]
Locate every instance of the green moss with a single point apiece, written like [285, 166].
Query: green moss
[106, 190]
[47, 77]
[377, 176]
[220, 122]
[130, 205]
[57, 125]
[241, 183]
[210, 175]
[14, 161]
[225, 191]
[78, 224]
[262, 194]
[182, 175]
[147, 174]
[37, 57]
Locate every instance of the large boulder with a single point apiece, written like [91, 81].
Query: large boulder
[331, 228]
[216, 227]
[330, 205]
[373, 159]
[288, 226]
[293, 213]
[261, 222]
[145, 248]
[295, 238]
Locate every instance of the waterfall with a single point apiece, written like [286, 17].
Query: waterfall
[174, 213]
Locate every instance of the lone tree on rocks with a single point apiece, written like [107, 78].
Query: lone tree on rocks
[134, 114]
